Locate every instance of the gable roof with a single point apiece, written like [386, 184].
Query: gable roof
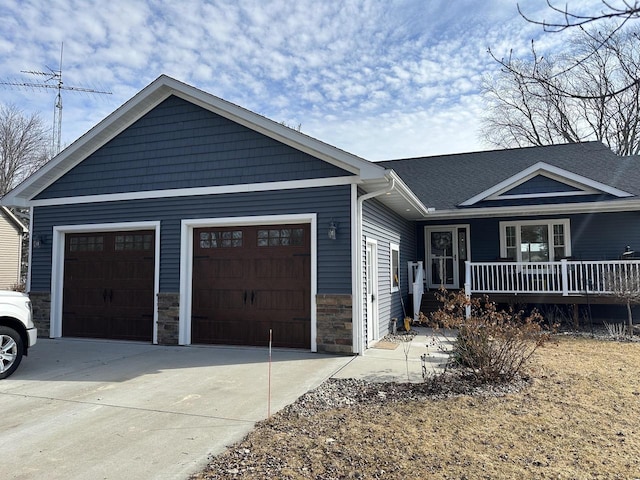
[456, 183]
[370, 174]
[579, 185]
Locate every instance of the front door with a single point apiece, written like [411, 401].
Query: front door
[446, 252]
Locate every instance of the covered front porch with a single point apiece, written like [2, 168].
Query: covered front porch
[565, 282]
[566, 278]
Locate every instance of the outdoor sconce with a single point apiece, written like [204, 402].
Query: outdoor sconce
[331, 233]
[39, 241]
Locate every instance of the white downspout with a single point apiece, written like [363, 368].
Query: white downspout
[30, 252]
[359, 332]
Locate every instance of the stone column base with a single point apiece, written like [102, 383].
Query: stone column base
[168, 318]
[334, 323]
[41, 306]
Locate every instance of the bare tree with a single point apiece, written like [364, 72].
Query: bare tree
[623, 12]
[618, 17]
[531, 101]
[23, 146]
[624, 283]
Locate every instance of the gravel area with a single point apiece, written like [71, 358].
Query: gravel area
[352, 394]
[240, 462]
[340, 393]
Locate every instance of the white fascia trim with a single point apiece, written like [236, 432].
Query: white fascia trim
[151, 96]
[186, 262]
[408, 194]
[189, 192]
[57, 266]
[277, 131]
[107, 129]
[15, 220]
[556, 209]
[550, 171]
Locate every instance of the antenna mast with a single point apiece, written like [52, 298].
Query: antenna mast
[55, 77]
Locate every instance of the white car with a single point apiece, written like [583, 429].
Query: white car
[17, 331]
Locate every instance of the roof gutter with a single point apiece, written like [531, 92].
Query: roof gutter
[552, 209]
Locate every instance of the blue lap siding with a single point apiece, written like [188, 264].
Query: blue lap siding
[386, 227]
[181, 145]
[594, 236]
[540, 184]
[334, 256]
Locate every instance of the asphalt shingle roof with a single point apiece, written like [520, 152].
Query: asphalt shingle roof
[446, 181]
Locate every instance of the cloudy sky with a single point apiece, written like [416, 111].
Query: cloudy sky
[382, 79]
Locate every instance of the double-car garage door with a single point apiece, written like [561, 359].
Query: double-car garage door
[247, 281]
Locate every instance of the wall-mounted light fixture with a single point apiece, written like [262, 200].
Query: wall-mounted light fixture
[39, 241]
[333, 227]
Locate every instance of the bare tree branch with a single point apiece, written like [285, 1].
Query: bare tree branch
[23, 146]
[618, 16]
[629, 11]
[531, 103]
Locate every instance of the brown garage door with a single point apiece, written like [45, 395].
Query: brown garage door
[248, 280]
[108, 285]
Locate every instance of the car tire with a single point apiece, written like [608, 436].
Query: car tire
[11, 351]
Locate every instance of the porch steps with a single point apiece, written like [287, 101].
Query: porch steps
[429, 303]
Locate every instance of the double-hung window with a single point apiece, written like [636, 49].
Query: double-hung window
[535, 240]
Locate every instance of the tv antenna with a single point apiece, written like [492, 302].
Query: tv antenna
[53, 80]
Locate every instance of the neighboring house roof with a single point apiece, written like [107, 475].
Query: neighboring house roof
[13, 220]
[371, 175]
[458, 183]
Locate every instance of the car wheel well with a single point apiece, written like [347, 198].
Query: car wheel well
[19, 327]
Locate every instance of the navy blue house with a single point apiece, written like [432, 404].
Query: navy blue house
[182, 218]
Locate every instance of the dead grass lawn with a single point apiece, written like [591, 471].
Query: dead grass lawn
[580, 419]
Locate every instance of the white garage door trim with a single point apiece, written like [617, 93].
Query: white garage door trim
[57, 266]
[186, 261]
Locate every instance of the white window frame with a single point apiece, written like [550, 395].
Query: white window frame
[543, 221]
[394, 247]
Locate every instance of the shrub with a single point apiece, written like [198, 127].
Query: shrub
[492, 344]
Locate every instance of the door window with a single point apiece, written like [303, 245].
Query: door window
[442, 260]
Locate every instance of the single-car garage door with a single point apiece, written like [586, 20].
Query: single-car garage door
[249, 280]
[108, 285]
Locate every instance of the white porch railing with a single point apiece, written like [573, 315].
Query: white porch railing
[565, 277]
[416, 286]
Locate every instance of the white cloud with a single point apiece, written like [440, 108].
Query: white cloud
[380, 79]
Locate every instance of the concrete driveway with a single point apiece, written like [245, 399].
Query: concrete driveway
[92, 409]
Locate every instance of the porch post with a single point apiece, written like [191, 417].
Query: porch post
[467, 286]
[565, 277]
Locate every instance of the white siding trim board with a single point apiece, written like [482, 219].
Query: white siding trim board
[188, 192]
[186, 262]
[552, 172]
